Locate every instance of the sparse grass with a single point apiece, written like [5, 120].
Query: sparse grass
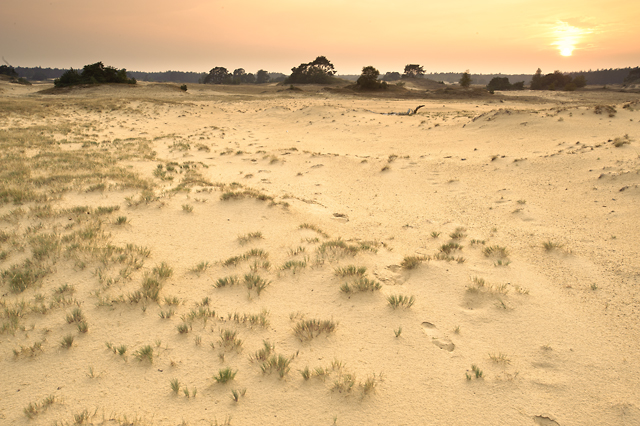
[412, 262]
[459, 233]
[350, 270]
[344, 383]
[263, 353]
[75, 316]
[83, 327]
[255, 282]
[435, 234]
[401, 301]
[398, 331]
[175, 386]
[361, 284]
[121, 220]
[309, 329]
[227, 281]
[296, 251]
[200, 267]
[450, 248]
[35, 408]
[67, 341]
[496, 251]
[370, 384]
[293, 265]
[244, 239]
[145, 353]
[187, 208]
[183, 328]
[260, 319]
[594, 286]
[236, 394]
[500, 358]
[277, 363]
[476, 371]
[29, 351]
[225, 375]
[550, 245]
[163, 271]
[314, 228]
[229, 340]
[305, 373]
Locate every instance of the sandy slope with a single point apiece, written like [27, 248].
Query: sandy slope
[515, 171]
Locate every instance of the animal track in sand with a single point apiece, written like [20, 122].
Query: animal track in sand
[437, 337]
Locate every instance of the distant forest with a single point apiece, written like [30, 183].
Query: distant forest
[41, 74]
[598, 77]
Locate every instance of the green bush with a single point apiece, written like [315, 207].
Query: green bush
[320, 71]
[94, 74]
[369, 79]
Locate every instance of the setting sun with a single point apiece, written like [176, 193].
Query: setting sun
[568, 36]
[566, 50]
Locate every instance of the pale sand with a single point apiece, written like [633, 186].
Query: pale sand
[537, 167]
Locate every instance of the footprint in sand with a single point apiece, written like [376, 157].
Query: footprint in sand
[437, 337]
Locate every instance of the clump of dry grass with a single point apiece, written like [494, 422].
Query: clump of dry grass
[309, 329]
[412, 262]
[361, 284]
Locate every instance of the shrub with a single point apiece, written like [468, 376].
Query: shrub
[369, 79]
[320, 71]
[94, 74]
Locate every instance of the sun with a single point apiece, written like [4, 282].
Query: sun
[567, 37]
[566, 50]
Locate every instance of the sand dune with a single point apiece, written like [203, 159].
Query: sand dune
[169, 221]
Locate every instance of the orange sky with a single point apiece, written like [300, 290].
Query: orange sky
[508, 36]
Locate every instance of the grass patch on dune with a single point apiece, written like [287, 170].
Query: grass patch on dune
[306, 330]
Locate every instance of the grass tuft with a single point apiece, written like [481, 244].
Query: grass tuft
[225, 375]
[400, 301]
[309, 329]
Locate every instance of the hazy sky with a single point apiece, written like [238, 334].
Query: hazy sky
[508, 36]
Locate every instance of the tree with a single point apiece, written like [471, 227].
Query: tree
[262, 77]
[633, 77]
[391, 76]
[579, 81]
[94, 74]
[536, 80]
[320, 71]
[369, 79]
[413, 71]
[499, 83]
[239, 75]
[217, 75]
[8, 70]
[465, 80]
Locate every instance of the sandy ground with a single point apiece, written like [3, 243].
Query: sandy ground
[503, 331]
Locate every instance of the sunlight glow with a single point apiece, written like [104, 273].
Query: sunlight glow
[568, 37]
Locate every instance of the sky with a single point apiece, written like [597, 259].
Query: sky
[492, 36]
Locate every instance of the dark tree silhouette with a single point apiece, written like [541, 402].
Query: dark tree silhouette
[413, 70]
[369, 79]
[262, 77]
[391, 76]
[8, 70]
[320, 71]
[536, 80]
[94, 74]
[465, 80]
[218, 75]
